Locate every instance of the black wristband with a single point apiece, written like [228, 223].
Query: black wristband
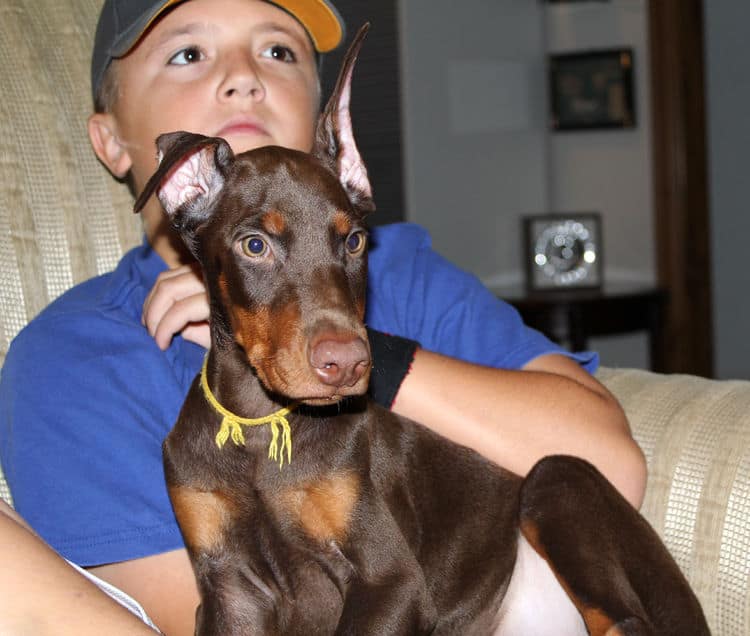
[391, 360]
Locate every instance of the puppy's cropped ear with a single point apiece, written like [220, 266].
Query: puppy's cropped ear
[334, 138]
[190, 176]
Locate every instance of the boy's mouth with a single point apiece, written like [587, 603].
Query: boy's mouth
[242, 126]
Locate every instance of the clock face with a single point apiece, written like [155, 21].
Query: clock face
[564, 253]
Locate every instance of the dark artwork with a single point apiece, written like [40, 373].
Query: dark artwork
[592, 89]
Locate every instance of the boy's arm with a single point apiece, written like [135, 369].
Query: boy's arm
[42, 594]
[164, 585]
[515, 418]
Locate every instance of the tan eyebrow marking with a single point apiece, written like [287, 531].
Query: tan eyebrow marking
[342, 223]
[273, 222]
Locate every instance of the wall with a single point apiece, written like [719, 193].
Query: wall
[478, 154]
[474, 123]
[608, 170]
[728, 100]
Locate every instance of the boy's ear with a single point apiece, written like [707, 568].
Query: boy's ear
[107, 146]
[334, 137]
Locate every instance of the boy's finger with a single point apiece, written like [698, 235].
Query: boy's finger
[199, 333]
[170, 288]
[180, 314]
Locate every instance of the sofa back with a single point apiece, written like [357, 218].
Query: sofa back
[63, 219]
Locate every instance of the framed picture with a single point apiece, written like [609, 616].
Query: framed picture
[592, 89]
[562, 251]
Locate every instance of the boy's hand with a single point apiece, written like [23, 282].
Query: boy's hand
[177, 304]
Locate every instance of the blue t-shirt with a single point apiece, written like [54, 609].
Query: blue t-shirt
[86, 396]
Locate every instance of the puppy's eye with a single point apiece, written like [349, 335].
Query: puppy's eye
[254, 246]
[356, 242]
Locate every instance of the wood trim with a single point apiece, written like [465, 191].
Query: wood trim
[681, 184]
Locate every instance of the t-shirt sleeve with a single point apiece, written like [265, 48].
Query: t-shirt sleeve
[416, 293]
[80, 440]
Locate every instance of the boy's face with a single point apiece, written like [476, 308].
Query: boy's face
[240, 69]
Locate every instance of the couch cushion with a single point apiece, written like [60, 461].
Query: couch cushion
[696, 437]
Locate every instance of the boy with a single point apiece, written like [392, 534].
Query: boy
[85, 468]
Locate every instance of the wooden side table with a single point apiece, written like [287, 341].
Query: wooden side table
[570, 317]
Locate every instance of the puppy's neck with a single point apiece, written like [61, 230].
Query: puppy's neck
[235, 385]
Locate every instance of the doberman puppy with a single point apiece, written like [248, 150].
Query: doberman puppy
[374, 525]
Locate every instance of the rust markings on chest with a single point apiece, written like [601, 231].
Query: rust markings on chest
[204, 516]
[324, 507]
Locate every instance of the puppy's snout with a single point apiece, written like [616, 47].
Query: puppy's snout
[340, 363]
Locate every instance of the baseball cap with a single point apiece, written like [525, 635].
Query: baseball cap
[123, 22]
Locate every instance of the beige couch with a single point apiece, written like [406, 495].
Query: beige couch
[63, 219]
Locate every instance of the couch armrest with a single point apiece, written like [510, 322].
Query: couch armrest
[695, 434]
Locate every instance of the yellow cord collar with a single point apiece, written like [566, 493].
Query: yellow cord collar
[232, 424]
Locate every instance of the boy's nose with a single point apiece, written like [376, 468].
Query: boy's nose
[241, 80]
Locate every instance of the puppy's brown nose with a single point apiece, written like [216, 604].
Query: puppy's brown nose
[340, 363]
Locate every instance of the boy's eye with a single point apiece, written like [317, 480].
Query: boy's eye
[279, 52]
[190, 55]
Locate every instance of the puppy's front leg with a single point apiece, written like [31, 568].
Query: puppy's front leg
[235, 601]
[389, 594]
[397, 606]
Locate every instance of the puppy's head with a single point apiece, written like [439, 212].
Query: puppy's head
[282, 240]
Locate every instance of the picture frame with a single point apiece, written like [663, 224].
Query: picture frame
[592, 89]
[563, 251]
